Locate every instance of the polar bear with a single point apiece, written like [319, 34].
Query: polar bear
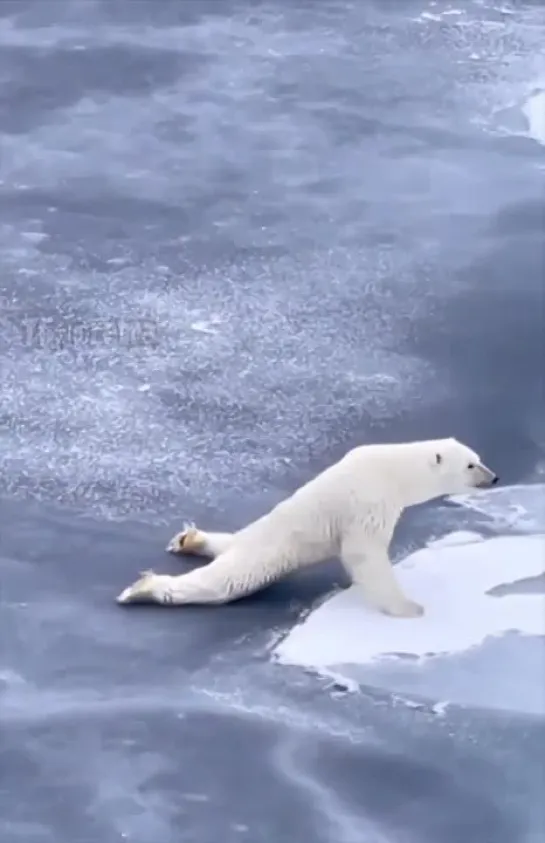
[350, 510]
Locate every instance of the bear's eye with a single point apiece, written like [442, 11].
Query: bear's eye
[471, 465]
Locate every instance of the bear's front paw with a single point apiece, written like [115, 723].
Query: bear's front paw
[404, 609]
[188, 541]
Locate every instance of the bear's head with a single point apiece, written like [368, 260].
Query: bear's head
[457, 468]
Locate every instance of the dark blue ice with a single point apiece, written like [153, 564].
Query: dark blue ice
[237, 239]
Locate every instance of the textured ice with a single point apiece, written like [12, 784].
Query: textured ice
[520, 507]
[297, 324]
[309, 201]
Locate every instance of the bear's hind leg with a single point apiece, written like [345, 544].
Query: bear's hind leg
[197, 542]
[371, 569]
[170, 590]
[228, 578]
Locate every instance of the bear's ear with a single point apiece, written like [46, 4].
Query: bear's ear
[438, 459]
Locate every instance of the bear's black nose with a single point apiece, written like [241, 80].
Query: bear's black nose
[495, 480]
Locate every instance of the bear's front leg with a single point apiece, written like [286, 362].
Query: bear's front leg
[371, 569]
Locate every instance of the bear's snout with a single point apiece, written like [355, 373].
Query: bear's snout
[486, 477]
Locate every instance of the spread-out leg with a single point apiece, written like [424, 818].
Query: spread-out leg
[371, 569]
[175, 590]
[225, 579]
[199, 543]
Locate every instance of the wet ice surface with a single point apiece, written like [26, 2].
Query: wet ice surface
[131, 724]
[234, 242]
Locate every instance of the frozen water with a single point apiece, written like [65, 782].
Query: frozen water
[509, 507]
[235, 240]
[300, 320]
[466, 583]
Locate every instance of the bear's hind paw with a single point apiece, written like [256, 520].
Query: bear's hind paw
[140, 591]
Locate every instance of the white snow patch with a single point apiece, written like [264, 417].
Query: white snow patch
[440, 708]
[452, 581]
[429, 16]
[204, 327]
[457, 538]
[534, 111]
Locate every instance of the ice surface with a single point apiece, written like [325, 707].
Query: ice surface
[309, 202]
[521, 507]
[285, 285]
[453, 583]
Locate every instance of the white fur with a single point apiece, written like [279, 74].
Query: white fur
[350, 511]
